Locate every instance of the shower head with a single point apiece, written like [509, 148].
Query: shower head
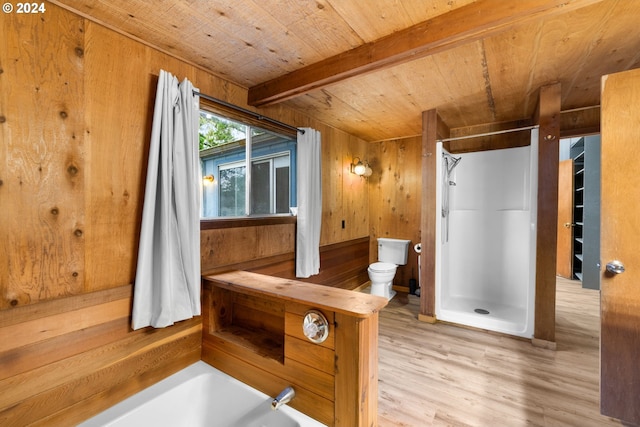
[451, 162]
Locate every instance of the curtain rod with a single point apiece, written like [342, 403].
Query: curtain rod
[496, 132]
[249, 112]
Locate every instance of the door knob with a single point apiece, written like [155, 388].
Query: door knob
[615, 267]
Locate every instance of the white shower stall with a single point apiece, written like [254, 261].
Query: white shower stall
[486, 238]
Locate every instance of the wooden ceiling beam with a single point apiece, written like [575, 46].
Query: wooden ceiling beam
[493, 141]
[580, 122]
[475, 21]
[573, 123]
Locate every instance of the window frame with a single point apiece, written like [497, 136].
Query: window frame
[249, 120]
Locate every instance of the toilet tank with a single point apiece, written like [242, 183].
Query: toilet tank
[393, 250]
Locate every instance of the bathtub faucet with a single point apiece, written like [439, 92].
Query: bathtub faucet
[284, 397]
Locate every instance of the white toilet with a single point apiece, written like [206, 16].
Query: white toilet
[391, 254]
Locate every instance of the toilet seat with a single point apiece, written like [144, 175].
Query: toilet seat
[382, 267]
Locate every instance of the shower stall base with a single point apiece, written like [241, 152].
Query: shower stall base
[502, 318]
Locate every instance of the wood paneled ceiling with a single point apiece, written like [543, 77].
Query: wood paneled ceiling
[372, 67]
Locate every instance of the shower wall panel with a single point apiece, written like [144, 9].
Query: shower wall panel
[488, 226]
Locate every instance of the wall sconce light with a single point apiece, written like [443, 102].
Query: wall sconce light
[360, 168]
[207, 179]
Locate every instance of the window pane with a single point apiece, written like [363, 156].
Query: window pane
[216, 131]
[232, 194]
[260, 188]
[270, 152]
[222, 155]
[282, 190]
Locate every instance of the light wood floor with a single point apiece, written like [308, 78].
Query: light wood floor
[445, 375]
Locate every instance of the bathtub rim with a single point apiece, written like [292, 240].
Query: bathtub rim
[119, 410]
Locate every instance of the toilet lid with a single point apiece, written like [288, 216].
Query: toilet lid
[383, 267]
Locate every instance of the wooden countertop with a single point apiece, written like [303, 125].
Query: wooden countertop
[353, 303]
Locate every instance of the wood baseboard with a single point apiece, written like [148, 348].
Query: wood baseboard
[427, 319]
[404, 289]
[549, 345]
[362, 286]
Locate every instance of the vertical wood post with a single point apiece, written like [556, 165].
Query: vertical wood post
[432, 129]
[356, 377]
[548, 117]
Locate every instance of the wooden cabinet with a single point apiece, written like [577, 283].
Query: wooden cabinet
[585, 153]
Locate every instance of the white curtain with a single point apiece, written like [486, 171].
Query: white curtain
[309, 187]
[167, 286]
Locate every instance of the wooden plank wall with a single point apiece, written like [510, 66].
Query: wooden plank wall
[74, 143]
[342, 265]
[67, 359]
[395, 199]
[75, 107]
[244, 246]
[269, 249]
[43, 159]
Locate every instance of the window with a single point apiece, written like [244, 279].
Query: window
[227, 147]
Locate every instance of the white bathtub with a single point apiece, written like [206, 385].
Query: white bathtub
[200, 395]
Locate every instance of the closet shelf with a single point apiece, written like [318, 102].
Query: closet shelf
[585, 155]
